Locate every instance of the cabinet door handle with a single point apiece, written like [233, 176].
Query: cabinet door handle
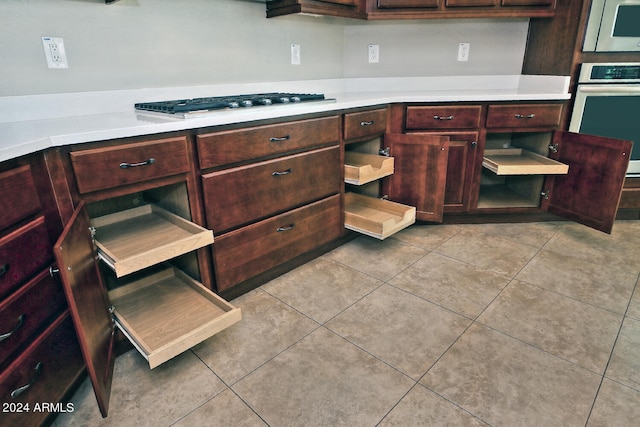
[18, 325]
[367, 123]
[524, 116]
[442, 117]
[280, 173]
[125, 165]
[17, 392]
[3, 269]
[279, 138]
[285, 228]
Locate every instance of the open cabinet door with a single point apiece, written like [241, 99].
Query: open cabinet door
[88, 302]
[420, 173]
[590, 192]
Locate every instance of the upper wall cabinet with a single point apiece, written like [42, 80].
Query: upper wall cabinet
[343, 8]
[415, 9]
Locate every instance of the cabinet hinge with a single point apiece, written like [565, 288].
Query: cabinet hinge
[112, 316]
[545, 195]
[553, 148]
[385, 152]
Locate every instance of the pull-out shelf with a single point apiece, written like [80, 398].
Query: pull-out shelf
[516, 161]
[376, 217]
[168, 312]
[361, 168]
[138, 238]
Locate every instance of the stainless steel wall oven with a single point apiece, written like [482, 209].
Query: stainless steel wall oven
[607, 103]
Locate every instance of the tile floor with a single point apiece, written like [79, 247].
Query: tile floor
[503, 325]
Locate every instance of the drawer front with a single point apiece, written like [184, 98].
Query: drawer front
[220, 148]
[357, 125]
[18, 194]
[108, 167]
[43, 372]
[27, 310]
[249, 251]
[524, 115]
[443, 117]
[22, 253]
[237, 196]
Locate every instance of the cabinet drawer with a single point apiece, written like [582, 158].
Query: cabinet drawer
[249, 251]
[237, 196]
[443, 117]
[18, 194]
[25, 311]
[524, 115]
[365, 123]
[108, 167]
[167, 313]
[376, 217]
[22, 253]
[361, 168]
[42, 373]
[382, 4]
[220, 148]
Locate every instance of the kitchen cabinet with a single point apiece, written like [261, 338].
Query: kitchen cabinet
[128, 256]
[522, 163]
[271, 194]
[365, 164]
[40, 358]
[414, 9]
[342, 8]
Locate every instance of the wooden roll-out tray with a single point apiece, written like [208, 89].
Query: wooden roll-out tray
[361, 168]
[376, 217]
[516, 161]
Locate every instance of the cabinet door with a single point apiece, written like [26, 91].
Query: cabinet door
[591, 191]
[88, 302]
[460, 170]
[420, 173]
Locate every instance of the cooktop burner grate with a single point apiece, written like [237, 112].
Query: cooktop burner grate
[223, 102]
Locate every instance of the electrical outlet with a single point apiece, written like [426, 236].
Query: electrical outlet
[374, 53]
[463, 51]
[295, 54]
[54, 52]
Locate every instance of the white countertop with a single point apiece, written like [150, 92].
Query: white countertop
[35, 122]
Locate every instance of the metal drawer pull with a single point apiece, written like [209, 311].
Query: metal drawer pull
[3, 269]
[442, 117]
[285, 228]
[367, 123]
[522, 116]
[125, 165]
[8, 334]
[280, 173]
[279, 139]
[17, 392]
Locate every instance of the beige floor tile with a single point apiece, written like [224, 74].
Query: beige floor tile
[493, 253]
[567, 328]
[321, 288]
[616, 405]
[634, 306]
[268, 326]
[422, 407]
[507, 382]
[323, 380]
[534, 234]
[146, 397]
[601, 285]
[616, 251]
[453, 284]
[427, 236]
[405, 331]
[226, 409]
[624, 365]
[381, 259]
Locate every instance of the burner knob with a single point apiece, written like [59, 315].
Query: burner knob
[295, 99]
[283, 99]
[233, 104]
[246, 103]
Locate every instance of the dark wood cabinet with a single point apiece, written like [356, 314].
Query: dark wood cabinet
[419, 177]
[343, 8]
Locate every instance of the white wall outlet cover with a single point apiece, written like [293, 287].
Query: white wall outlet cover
[54, 52]
[295, 54]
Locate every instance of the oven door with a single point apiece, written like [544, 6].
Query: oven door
[610, 110]
[613, 26]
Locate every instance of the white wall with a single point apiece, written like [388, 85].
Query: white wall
[163, 43]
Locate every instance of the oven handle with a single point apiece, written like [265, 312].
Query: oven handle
[612, 88]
